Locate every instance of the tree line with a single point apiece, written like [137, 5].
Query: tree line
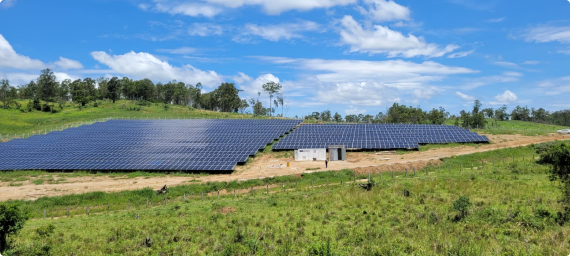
[400, 114]
[46, 91]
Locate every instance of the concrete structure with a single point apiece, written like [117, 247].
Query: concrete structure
[337, 153]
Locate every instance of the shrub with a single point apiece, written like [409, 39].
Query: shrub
[37, 104]
[95, 104]
[12, 219]
[462, 205]
[46, 107]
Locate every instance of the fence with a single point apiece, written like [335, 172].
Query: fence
[442, 170]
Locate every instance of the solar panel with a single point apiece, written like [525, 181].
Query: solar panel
[375, 136]
[181, 145]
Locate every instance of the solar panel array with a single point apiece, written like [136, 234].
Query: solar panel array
[375, 136]
[182, 145]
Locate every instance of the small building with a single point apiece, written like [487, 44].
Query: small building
[312, 154]
[337, 153]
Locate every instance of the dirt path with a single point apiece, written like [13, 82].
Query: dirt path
[267, 165]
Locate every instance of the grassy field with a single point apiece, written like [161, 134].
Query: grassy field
[16, 122]
[513, 210]
[515, 127]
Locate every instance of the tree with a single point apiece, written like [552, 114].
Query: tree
[557, 157]
[281, 101]
[226, 98]
[476, 107]
[103, 87]
[271, 88]
[113, 88]
[326, 116]
[488, 112]
[436, 116]
[5, 93]
[501, 113]
[47, 85]
[12, 220]
[337, 117]
[63, 90]
[243, 105]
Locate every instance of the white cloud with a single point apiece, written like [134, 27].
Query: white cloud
[354, 111]
[205, 29]
[506, 64]
[145, 65]
[555, 86]
[505, 98]
[384, 40]
[65, 63]
[252, 86]
[465, 96]
[181, 50]
[543, 34]
[496, 20]
[531, 62]
[7, 3]
[188, 9]
[482, 81]
[277, 7]
[460, 54]
[19, 78]
[278, 32]
[512, 73]
[10, 59]
[211, 8]
[385, 10]
[369, 83]
[242, 78]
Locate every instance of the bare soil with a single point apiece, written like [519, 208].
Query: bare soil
[268, 165]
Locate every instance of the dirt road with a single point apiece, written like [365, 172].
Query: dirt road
[267, 165]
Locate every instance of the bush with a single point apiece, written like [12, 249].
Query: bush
[46, 108]
[37, 104]
[462, 205]
[95, 104]
[12, 219]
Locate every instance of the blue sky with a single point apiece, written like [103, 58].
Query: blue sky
[347, 56]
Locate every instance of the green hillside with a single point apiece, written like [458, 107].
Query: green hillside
[513, 212]
[15, 122]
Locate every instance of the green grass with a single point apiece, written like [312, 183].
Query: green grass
[38, 181]
[512, 214]
[515, 127]
[20, 124]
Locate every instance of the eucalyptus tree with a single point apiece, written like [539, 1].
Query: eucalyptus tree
[271, 88]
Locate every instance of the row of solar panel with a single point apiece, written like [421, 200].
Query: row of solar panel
[196, 145]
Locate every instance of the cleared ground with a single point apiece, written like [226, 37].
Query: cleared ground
[265, 165]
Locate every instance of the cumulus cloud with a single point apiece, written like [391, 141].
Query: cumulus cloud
[460, 54]
[252, 86]
[145, 65]
[505, 98]
[65, 63]
[385, 10]
[354, 111]
[10, 59]
[205, 29]
[465, 97]
[369, 83]
[381, 39]
[278, 32]
[211, 8]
